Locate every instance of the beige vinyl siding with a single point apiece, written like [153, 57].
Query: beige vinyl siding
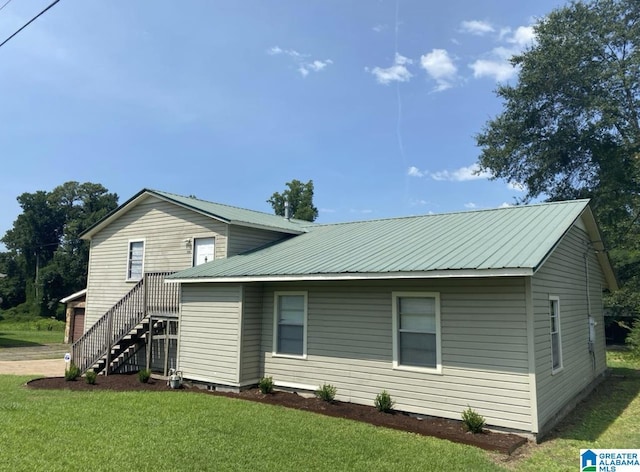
[242, 239]
[563, 275]
[349, 344]
[250, 363]
[209, 332]
[163, 227]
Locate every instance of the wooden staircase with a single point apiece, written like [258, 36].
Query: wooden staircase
[121, 332]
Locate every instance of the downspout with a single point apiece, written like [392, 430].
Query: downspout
[591, 342]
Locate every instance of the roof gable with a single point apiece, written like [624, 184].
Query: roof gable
[506, 241]
[225, 213]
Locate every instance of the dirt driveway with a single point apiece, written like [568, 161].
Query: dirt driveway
[45, 360]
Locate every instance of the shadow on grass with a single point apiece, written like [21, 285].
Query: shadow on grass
[594, 415]
[10, 342]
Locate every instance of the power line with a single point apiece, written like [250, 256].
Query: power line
[5, 4]
[28, 23]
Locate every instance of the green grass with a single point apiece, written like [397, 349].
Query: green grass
[608, 419]
[64, 430]
[31, 333]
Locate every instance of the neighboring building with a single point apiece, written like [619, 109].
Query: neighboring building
[499, 309]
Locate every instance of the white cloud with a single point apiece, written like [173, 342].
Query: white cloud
[499, 70]
[417, 202]
[327, 210]
[398, 72]
[476, 27]
[379, 28]
[440, 67]
[523, 37]
[505, 205]
[470, 205]
[415, 172]
[462, 174]
[496, 63]
[304, 66]
[516, 186]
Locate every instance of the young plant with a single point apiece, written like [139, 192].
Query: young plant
[72, 373]
[327, 392]
[90, 377]
[144, 375]
[473, 421]
[266, 385]
[384, 402]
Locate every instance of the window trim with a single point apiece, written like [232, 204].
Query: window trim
[559, 333]
[128, 268]
[274, 351]
[193, 243]
[395, 296]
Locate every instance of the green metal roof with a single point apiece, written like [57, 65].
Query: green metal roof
[236, 215]
[508, 241]
[226, 213]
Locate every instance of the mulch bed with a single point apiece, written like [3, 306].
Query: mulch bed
[428, 426]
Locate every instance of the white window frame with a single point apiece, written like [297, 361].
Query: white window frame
[558, 332]
[395, 296]
[144, 248]
[193, 243]
[276, 306]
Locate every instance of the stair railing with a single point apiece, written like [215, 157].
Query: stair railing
[149, 296]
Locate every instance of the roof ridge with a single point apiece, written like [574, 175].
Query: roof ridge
[458, 212]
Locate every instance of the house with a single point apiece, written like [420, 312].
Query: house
[500, 310]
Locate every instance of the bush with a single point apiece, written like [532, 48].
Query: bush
[144, 375]
[72, 373]
[473, 421]
[90, 377]
[633, 339]
[327, 393]
[383, 402]
[266, 385]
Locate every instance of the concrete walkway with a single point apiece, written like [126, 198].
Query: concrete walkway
[47, 360]
[40, 367]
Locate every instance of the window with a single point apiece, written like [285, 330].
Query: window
[416, 325]
[290, 318]
[556, 341]
[203, 250]
[135, 260]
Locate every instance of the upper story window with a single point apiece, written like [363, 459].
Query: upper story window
[135, 260]
[203, 250]
[416, 325]
[290, 322]
[556, 340]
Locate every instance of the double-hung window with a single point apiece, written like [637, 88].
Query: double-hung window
[556, 340]
[135, 260]
[290, 324]
[416, 326]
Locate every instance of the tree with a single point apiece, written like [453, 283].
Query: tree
[299, 197]
[46, 259]
[570, 126]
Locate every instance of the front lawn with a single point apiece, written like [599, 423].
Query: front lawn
[63, 430]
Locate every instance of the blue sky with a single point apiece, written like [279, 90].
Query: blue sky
[376, 101]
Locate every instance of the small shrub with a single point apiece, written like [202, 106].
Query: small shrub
[72, 373]
[90, 377]
[327, 393]
[144, 375]
[473, 421]
[384, 402]
[266, 385]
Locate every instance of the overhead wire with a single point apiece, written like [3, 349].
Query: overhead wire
[5, 4]
[29, 22]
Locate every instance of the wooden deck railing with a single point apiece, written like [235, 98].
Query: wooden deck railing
[149, 296]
